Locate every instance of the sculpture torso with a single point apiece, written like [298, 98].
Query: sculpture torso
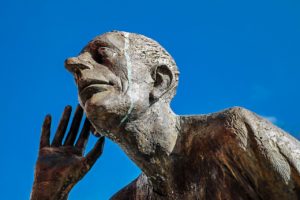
[233, 154]
[125, 84]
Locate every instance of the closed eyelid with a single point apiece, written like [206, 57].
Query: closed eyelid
[108, 49]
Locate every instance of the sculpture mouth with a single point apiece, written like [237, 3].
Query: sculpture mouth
[88, 88]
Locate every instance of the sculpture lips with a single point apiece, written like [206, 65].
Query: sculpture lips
[88, 88]
[82, 84]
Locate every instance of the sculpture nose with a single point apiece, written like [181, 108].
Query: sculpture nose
[74, 64]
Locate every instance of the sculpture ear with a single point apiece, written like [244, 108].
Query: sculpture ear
[163, 78]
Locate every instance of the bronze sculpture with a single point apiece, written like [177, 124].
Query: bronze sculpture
[125, 84]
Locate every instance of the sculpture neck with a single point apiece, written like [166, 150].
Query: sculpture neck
[150, 139]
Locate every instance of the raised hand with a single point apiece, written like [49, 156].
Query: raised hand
[61, 164]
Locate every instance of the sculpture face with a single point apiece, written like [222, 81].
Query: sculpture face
[109, 87]
[119, 75]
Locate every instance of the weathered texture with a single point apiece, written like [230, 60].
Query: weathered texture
[61, 163]
[126, 82]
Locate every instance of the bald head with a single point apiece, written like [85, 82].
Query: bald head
[140, 48]
[120, 75]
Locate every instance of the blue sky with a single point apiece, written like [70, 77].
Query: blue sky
[230, 53]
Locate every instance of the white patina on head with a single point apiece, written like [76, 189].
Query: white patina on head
[120, 75]
[129, 71]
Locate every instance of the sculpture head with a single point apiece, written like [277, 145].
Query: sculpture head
[120, 76]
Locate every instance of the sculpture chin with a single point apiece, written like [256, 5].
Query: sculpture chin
[106, 109]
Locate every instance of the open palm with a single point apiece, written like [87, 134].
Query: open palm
[62, 163]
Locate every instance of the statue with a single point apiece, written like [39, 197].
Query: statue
[125, 84]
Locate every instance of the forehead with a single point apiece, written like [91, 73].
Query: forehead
[112, 40]
[138, 48]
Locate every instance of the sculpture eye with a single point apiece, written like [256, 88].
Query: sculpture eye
[105, 54]
[96, 48]
[98, 56]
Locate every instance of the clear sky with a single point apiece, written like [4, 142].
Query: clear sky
[230, 53]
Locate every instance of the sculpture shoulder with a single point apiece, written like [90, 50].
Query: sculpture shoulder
[242, 127]
[230, 119]
[248, 124]
[239, 118]
[215, 132]
[239, 114]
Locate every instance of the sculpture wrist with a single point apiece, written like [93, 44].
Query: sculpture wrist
[48, 190]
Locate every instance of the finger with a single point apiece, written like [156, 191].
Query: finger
[94, 131]
[45, 136]
[96, 152]
[71, 137]
[63, 124]
[84, 135]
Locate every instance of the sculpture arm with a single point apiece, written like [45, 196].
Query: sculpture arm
[61, 165]
[280, 149]
[269, 156]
